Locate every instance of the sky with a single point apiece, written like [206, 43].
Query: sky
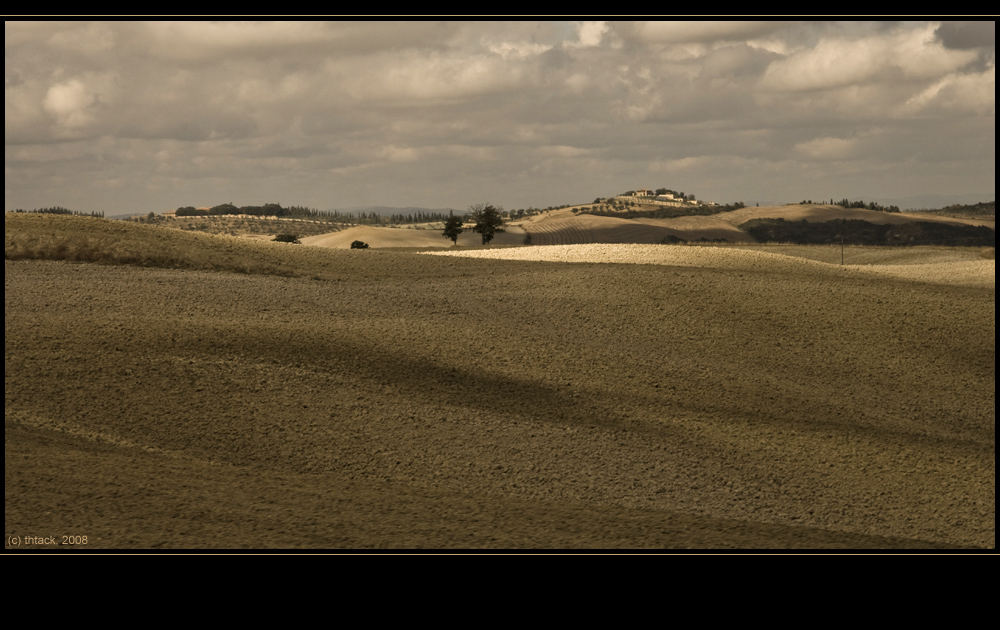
[133, 117]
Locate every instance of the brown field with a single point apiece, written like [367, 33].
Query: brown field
[555, 227]
[380, 237]
[563, 227]
[197, 391]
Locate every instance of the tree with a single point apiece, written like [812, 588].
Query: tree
[453, 227]
[286, 238]
[359, 245]
[487, 219]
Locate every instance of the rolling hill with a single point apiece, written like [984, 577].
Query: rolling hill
[209, 392]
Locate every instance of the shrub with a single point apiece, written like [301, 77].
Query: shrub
[359, 245]
[286, 238]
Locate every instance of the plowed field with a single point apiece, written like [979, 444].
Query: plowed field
[718, 399]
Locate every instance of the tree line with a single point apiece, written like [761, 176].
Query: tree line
[623, 210]
[983, 208]
[859, 232]
[860, 205]
[61, 210]
[301, 212]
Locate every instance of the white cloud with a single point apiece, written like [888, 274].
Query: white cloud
[833, 63]
[828, 148]
[590, 33]
[973, 93]
[515, 51]
[71, 103]
[429, 77]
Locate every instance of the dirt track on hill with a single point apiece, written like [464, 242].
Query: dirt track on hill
[462, 403]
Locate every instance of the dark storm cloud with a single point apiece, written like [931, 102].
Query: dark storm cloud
[968, 35]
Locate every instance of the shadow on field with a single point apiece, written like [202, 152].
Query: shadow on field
[427, 382]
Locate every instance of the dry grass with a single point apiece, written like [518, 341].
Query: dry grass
[247, 226]
[563, 227]
[956, 266]
[384, 237]
[103, 241]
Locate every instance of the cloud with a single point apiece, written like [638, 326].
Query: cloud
[428, 76]
[834, 63]
[527, 113]
[968, 35]
[76, 103]
[519, 50]
[828, 148]
[702, 32]
[210, 41]
[563, 151]
[972, 93]
[590, 33]
[69, 102]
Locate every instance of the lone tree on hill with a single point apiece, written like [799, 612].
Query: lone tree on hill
[488, 220]
[453, 227]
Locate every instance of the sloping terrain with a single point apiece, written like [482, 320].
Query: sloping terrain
[595, 229]
[563, 227]
[379, 399]
[933, 265]
[380, 237]
[821, 213]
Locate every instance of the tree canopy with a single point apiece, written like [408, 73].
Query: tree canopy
[453, 227]
[488, 220]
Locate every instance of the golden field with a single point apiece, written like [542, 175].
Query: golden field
[173, 390]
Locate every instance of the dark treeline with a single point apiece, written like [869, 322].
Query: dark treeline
[300, 212]
[61, 210]
[266, 210]
[858, 232]
[417, 217]
[860, 205]
[661, 212]
[983, 208]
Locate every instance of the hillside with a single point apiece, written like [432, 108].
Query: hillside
[727, 397]
[380, 237]
[564, 227]
[981, 210]
[556, 227]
